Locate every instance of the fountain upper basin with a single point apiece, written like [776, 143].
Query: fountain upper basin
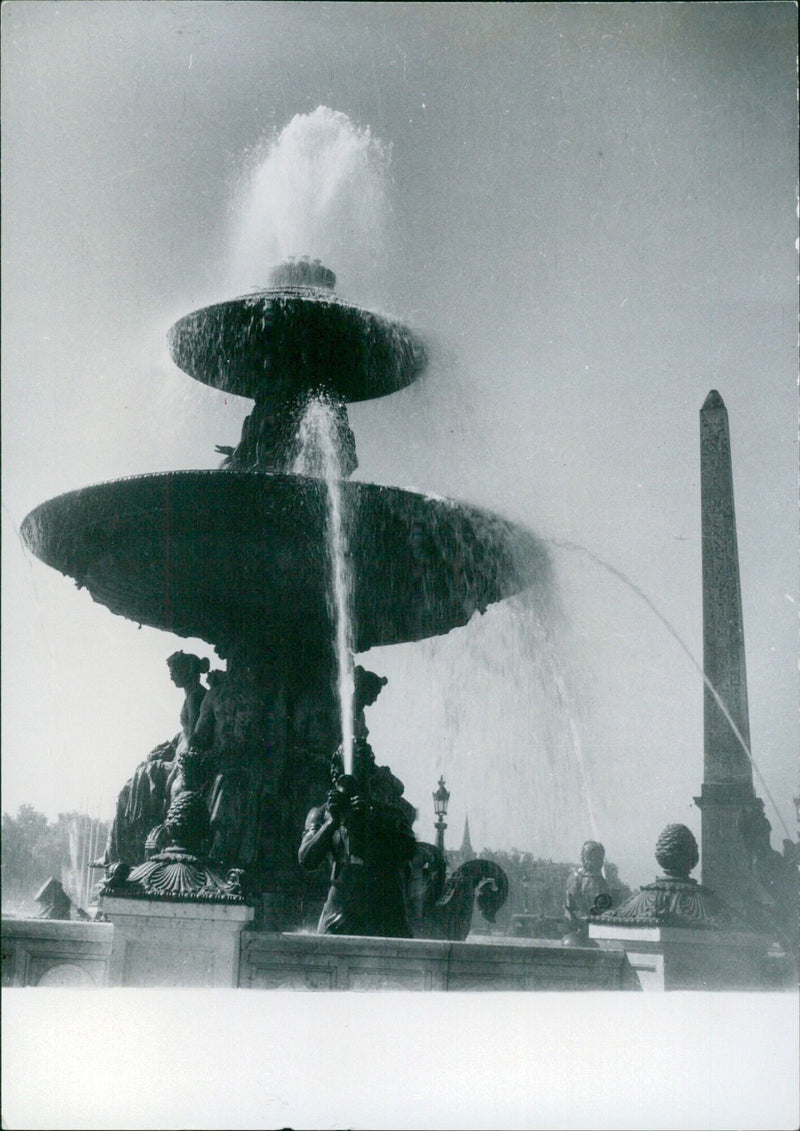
[213, 554]
[289, 341]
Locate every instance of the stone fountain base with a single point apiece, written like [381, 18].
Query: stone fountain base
[174, 944]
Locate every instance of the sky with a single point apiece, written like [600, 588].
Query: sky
[590, 213]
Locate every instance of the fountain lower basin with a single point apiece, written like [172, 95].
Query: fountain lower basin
[211, 554]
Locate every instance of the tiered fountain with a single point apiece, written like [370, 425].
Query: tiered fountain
[237, 557]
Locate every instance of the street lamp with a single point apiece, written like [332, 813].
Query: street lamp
[440, 800]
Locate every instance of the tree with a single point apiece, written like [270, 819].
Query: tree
[619, 890]
[27, 856]
[33, 849]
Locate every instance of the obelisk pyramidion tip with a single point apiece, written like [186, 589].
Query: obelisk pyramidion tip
[713, 400]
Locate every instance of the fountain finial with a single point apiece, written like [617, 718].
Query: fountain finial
[302, 273]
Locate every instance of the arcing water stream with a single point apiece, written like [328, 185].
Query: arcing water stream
[686, 650]
[318, 455]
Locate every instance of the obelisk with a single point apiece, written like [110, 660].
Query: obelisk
[727, 801]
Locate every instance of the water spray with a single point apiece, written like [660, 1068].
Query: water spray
[320, 184]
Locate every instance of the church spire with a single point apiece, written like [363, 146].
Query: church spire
[467, 852]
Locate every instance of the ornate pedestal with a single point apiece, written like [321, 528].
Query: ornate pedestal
[678, 935]
[165, 943]
[686, 958]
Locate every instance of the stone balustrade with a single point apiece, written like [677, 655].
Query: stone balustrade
[40, 952]
[53, 952]
[298, 961]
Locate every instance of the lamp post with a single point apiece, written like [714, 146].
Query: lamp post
[440, 800]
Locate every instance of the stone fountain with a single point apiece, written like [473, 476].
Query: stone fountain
[235, 556]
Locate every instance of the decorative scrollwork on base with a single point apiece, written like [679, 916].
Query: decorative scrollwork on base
[672, 902]
[176, 874]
